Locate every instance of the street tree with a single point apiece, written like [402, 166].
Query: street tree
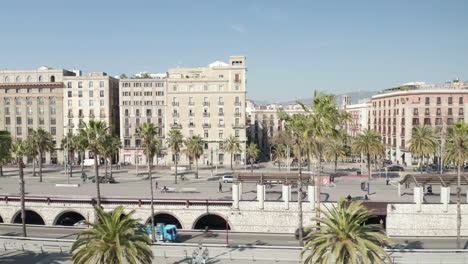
[368, 143]
[5, 146]
[43, 142]
[175, 142]
[19, 150]
[422, 143]
[108, 149]
[232, 146]
[194, 146]
[69, 143]
[335, 150]
[279, 154]
[252, 152]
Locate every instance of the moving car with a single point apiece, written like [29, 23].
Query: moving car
[102, 179]
[304, 233]
[227, 178]
[396, 168]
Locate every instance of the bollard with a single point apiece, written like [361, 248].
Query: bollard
[261, 195]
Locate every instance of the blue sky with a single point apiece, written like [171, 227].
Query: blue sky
[292, 47]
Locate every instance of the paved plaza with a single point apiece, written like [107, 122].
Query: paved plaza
[134, 184]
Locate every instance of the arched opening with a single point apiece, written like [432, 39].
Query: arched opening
[165, 219]
[40, 79]
[1, 219]
[212, 221]
[377, 220]
[68, 218]
[32, 218]
[52, 78]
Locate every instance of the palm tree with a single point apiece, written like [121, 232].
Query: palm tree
[151, 147]
[175, 142]
[422, 143]
[114, 238]
[31, 152]
[456, 150]
[43, 142]
[19, 149]
[252, 153]
[93, 135]
[279, 154]
[368, 143]
[108, 149]
[335, 150]
[231, 145]
[194, 146]
[69, 143]
[343, 237]
[81, 144]
[5, 146]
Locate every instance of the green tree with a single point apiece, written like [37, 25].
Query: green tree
[42, 142]
[92, 136]
[81, 145]
[231, 145]
[279, 154]
[31, 152]
[115, 238]
[123, 76]
[109, 148]
[252, 152]
[456, 150]
[175, 141]
[5, 146]
[151, 147]
[69, 143]
[19, 149]
[422, 143]
[368, 143]
[343, 237]
[194, 146]
[335, 150]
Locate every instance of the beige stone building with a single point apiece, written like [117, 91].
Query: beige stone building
[210, 102]
[141, 101]
[32, 99]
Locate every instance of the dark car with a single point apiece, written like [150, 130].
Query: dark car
[387, 162]
[103, 179]
[396, 168]
[304, 233]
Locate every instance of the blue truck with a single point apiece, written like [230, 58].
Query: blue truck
[164, 232]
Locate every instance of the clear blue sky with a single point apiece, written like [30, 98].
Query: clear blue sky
[292, 47]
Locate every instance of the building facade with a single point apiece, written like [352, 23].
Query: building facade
[141, 101]
[210, 102]
[359, 118]
[396, 111]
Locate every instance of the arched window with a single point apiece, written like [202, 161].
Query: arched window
[29, 79]
[18, 79]
[52, 78]
[7, 79]
[40, 79]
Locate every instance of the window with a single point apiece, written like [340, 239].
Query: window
[438, 121]
[30, 120]
[101, 84]
[41, 121]
[148, 112]
[19, 131]
[137, 112]
[460, 100]
[205, 88]
[174, 88]
[53, 121]
[236, 87]
[449, 121]
[438, 111]
[415, 121]
[7, 100]
[460, 111]
[427, 121]
[101, 93]
[221, 88]
[126, 141]
[80, 102]
[426, 111]
[415, 111]
[30, 110]
[41, 79]
[90, 84]
[449, 111]
[220, 76]
[126, 112]
[29, 100]
[80, 84]
[205, 133]
[7, 120]
[53, 111]
[450, 100]
[69, 93]
[18, 120]
[237, 133]
[53, 131]
[29, 79]
[221, 100]
[70, 103]
[80, 93]
[18, 110]
[439, 100]
[7, 110]
[69, 84]
[101, 102]
[91, 102]
[191, 100]
[427, 100]
[137, 143]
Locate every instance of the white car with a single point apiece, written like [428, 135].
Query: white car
[228, 178]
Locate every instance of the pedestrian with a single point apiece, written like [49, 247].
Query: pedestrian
[220, 187]
[156, 184]
[349, 198]
[366, 197]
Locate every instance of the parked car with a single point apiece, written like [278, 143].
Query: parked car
[102, 179]
[387, 162]
[396, 168]
[304, 233]
[227, 178]
[80, 223]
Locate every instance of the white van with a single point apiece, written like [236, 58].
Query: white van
[88, 162]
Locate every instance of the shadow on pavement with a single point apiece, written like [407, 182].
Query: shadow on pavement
[32, 257]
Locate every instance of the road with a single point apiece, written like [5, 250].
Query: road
[236, 238]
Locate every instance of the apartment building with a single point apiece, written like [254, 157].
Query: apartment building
[91, 97]
[395, 112]
[32, 99]
[141, 100]
[210, 102]
[359, 116]
[264, 123]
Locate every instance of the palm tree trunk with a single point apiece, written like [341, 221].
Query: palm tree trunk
[196, 174]
[34, 166]
[369, 166]
[96, 171]
[152, 201]
[336, 162]
[175, 178]
[279, 166]
[421, 167]
[71, 167]
[82, 163]
[22, 191]
[40, 166]
[299, 200]
[110, 170]
[251, 165]
[231, 163]
[190, 163]
[458, 203]
[1, 170]
[319, 179]
[105, 167]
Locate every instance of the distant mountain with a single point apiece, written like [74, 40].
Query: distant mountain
[355, 98]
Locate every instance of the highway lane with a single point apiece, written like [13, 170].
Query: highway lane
[218, 237]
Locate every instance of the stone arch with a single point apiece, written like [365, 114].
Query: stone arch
[166, 218]
[29, 79]
[211, 220]
[68, 218]
[52, 78]
[18, 79]
[41, 79]
[32, 218]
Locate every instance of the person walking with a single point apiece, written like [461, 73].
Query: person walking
[220, 187]
[156, 185]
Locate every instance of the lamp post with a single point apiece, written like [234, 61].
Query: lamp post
[211, 163]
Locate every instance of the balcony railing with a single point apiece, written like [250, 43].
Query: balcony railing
[237, 114]
[175, 114]
[220, 103]
[191, 125]
[206, 114]
[191, 114]
[70, 115]
[220, 113]
[176, 126]
[175, 103]
[220, 125]
[206, 125]
[237, 103]
[238, 126]
[206, 103]
[191, 103]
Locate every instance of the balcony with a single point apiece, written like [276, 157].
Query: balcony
[175, 114]
[81, 116]
[175, 103]
[191, 114]
[220, 125]
[238, 126]
[102, 116]
[220, 113]
[206, 114]
[191, 125]
[128, 125]
[70, 115]
[91, 115]
[220, 103]
[237, 103]
[81, 125]
[206, 125]
[206, 103]
[176, 126]
[191, 103]
[237, 114]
